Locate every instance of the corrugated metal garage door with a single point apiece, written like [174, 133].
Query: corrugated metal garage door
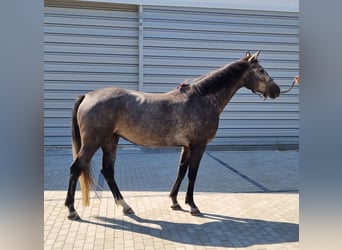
[87, 46]
[94, 45]
[182, 43]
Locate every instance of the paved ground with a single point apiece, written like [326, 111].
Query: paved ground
[248, 200]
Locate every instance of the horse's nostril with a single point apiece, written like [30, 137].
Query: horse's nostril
[274, 91]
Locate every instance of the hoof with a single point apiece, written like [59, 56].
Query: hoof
[176, 207]
[195, 212]
[74, 216]
[128, 211]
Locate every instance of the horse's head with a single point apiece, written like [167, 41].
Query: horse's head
[258, 80]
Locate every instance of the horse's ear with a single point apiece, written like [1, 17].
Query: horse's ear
[247, 56]
[254, 57]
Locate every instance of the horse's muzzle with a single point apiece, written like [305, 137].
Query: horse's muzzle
[273, 91]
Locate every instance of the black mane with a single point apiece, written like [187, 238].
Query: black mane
[216, 80]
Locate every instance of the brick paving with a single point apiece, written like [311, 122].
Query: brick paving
[248, 200]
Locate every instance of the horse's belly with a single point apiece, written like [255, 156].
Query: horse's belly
[154, 139]
[158, 131]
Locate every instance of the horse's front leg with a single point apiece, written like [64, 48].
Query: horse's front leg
[194, 161]
[182, 168]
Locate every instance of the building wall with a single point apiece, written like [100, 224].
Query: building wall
[87, 46]
[153, 48]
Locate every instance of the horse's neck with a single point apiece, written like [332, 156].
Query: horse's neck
[223, 96]
[230, 80]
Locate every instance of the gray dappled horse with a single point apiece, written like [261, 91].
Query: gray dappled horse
[187, 116]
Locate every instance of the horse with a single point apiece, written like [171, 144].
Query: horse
[186, 117]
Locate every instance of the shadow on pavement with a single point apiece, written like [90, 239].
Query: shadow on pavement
[224, 231]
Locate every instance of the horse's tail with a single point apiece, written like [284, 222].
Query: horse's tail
[75, 130]
[86, 179]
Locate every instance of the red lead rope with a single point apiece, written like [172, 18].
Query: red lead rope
[296, 80]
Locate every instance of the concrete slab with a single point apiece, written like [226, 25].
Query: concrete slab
[249, 200]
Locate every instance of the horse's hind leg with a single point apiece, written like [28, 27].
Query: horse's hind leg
[75, 172]
[82, 161]
[108, 161]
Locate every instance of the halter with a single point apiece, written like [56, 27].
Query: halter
[296, 80]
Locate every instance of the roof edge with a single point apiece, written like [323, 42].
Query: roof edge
[262, 5]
